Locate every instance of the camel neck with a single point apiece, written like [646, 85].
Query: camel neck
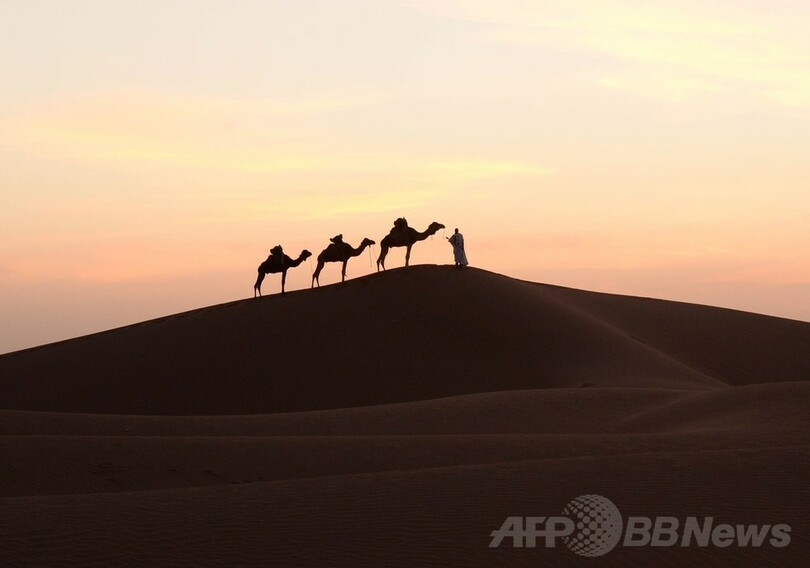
[358, 250]
[424, 234]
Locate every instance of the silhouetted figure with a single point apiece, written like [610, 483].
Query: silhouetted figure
[404, 236]
[459, 256]
[338, 251]
[275, 263]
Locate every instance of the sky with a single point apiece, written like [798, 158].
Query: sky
[152, 152]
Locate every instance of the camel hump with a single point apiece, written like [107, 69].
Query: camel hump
[335, 248]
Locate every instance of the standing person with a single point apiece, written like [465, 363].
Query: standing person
[459, 256]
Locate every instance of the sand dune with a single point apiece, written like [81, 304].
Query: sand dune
[400, 336]
[397, 419]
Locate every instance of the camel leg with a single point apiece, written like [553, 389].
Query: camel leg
[316, 274]
[257, 287]
[408, 255]
[343, 272]
[283, 281]
[381, 259]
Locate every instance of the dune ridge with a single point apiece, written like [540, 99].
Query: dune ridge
[397, 419]
[402, 335]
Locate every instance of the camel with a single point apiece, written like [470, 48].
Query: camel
[405, 237]
[275, 263]
[338, 252]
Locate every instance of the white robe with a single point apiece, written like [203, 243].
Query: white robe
[460, 257]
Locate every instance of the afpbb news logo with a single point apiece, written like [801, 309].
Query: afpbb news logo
[591, 525]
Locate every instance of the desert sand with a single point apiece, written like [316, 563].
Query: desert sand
[398, 419]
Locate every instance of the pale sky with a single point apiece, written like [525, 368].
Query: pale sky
[152, 152]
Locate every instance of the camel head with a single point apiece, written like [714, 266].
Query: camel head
[367, 242]
[434, 228]
[305, 254]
